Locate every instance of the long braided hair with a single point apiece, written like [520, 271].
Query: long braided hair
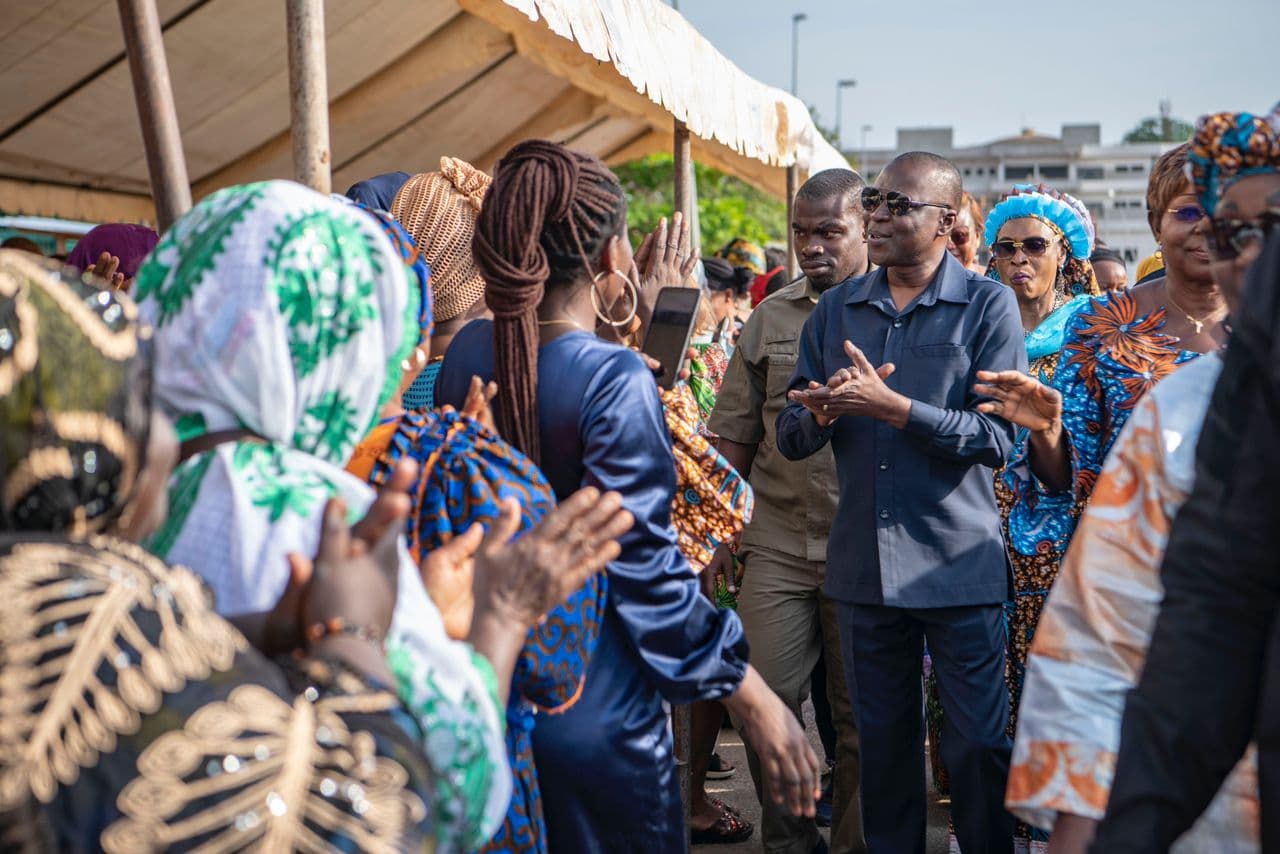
[549, 212]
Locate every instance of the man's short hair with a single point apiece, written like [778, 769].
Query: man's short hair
[943, 175]
[832, 183]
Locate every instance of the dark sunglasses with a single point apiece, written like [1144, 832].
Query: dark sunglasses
[959, 236]
[1033, 246]
[1231, 237]
[897, 203]
[1187, 213]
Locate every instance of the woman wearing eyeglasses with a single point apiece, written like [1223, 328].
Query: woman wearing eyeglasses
[1097, 625]
[1114, 350]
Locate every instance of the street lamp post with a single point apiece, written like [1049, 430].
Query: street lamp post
[862, 149]
[841, 85]
[795, 50]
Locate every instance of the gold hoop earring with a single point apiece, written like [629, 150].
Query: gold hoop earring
[597, 300]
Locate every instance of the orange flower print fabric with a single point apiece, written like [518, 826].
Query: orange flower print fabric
[713, 503]
[1110, 359]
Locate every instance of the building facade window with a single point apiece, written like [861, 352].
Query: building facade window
[1053, 170]
[1090, 173]
[1017, 173]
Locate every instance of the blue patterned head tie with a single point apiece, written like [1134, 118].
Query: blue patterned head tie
[1065, 213]
[421, 273]
[1228, 147]
[464, 473]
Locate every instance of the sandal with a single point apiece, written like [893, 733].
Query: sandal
[723, 807]
[729, 828]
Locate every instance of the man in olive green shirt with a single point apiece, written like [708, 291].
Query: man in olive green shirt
[788, 620]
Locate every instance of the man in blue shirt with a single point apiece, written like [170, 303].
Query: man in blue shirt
[915, 549]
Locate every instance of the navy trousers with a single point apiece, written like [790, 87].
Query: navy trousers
[883, 650]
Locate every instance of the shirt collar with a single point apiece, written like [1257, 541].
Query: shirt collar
[949, 284]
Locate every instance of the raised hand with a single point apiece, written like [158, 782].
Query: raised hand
[370, 545]
[666, 258]
[521, 580]
[478, 403]
[1020, 399]
[517, 581]
[107, 267]
[351, 581]
[448, 573]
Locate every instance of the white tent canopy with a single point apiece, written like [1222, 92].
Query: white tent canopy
[409, 80]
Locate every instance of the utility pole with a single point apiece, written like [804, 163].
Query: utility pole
[841, 85]
[795, 51]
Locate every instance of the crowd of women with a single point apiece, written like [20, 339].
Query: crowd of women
[360, 523]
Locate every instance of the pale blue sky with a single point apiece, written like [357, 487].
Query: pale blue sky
[991, 67]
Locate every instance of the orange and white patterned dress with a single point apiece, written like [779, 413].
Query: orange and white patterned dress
[1094, 632]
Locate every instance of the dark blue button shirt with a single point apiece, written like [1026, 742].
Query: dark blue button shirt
[917, 524]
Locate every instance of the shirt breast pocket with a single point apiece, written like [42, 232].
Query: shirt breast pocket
[781, 367]
[938, 374]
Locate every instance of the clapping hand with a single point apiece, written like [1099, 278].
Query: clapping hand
[666, 258]
[521, 580]
[859, 389]
[354, 573]
[524, 578]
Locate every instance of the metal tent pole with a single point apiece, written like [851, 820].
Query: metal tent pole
[309, 95]
[153, 93]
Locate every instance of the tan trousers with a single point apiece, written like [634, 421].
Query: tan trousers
[788, 621]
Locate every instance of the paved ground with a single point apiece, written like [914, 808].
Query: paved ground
[737, 791]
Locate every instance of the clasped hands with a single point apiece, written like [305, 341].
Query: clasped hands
[859, 389]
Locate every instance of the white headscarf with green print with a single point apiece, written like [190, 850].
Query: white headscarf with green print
[280, 311]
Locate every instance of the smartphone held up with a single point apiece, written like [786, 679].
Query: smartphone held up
[670, 329]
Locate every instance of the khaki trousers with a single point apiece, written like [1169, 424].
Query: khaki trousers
[788, 621]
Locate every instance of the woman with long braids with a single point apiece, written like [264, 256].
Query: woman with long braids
[551, 243]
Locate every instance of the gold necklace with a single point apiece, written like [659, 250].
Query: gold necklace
[1198, 324]
[572, 323]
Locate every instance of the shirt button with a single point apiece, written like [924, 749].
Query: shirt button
[884, 514]
[884, 465]
[897, 323]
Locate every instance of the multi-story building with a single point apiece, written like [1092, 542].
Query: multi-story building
[1110, 179]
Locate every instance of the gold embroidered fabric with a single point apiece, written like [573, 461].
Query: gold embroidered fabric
[77, 669]
[281, 778]
[74, 412]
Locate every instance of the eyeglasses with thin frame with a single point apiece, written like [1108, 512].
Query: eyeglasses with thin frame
[899, 204]
[1187, 213]
[1034, 247]
[1229, 238]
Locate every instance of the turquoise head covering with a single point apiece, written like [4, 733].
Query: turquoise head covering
[1063, 212]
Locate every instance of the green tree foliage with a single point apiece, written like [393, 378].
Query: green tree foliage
[727, 206]
[1157, 129]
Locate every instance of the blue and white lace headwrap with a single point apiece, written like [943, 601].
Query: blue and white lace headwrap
[1070, 220]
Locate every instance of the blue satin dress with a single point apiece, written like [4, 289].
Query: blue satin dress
[606, 767]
